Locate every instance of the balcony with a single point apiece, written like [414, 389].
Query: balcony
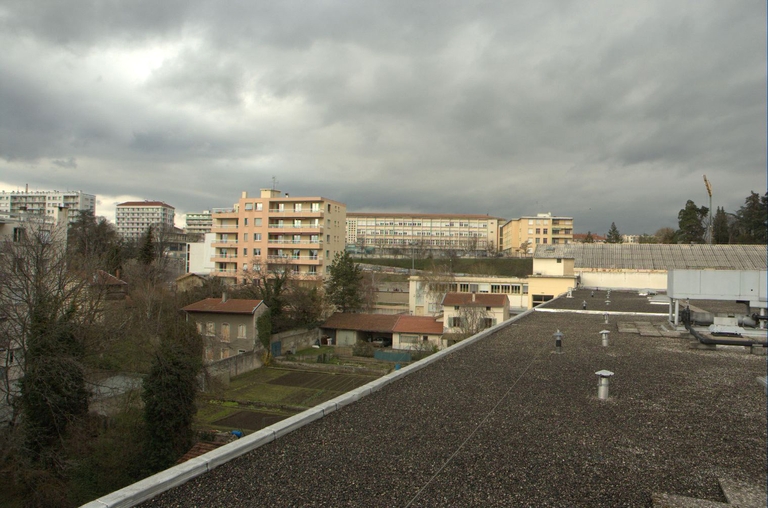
[304, 228]
[223, 243]
[293, 213]
[305, 260]
[289, 241]
[225, 226]
[224, 258]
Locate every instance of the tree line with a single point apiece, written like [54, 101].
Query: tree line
[747, 225]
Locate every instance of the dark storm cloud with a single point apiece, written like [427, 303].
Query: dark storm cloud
[606, 111]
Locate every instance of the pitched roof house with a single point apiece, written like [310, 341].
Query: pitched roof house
[228, 325]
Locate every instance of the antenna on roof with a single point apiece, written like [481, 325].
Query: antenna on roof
[274, 183]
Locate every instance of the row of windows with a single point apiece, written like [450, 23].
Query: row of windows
[468, 287]
[210, 330]
[436, 223]
[393, 232]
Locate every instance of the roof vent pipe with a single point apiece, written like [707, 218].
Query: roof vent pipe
[224, 297]
[605, 315]
[558, 335]
[604, 335]
[602, 384]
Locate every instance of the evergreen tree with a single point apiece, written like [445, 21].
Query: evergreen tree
[692, 228]
[169, 393]
[147, 250]
[720, 231]
[344, 286]
[589, 238]
[613, 235]
[752, 218]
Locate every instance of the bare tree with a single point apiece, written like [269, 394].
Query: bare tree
[433, 284]
[473, 319]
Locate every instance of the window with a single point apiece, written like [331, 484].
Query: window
[544, 240]
[538, 240]
[297, 223]
[328, 238]
[257, 221]
[259, 207]
[245, 237]
[245, 252]
[545, 231]
[297, 207]
[281, 207]
[257, 252]
[409, 339]
[199, 327]
[225, 332]
[245, 267]
[559, 260]
[210, 328]
[257, 237]
[245, 221]
[296, 253]
[312, 270]
[488, 308]
[315, 207]
[329, 208]
[538, 231]
[249, 206]
[525, 289]
[464, 288]
[455, 322]
[488, 322]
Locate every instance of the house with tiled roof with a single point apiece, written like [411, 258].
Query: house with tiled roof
[471, 312]
[399, 331]
[228, 325]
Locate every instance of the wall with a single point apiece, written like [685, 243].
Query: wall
[432, 340]
[225, 369]
[620, 279]
[548, 286]
[296, 339]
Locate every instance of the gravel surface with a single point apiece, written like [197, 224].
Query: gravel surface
[506, 422]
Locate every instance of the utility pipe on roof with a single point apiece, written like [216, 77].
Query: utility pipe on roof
[686, 315]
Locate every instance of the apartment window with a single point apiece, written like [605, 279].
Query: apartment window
[538, 231]
[515, 289]
[257, 237]
[559, 260]
[257, 252]
[312, 270]
[328, 238]
[455, 322]
[245, 221]
[297, 207]
[210, 328]
[245, 267]
[464, 288]
[409, 339]
[538, 240]
[257, 221]
[315, 207]
[525, 289]
[329, 208]
[488, 322]
[249, 206]
[313, 254]
[259, 207]
[530, 222]
[245, 237]
[544, 241]
[545, 231]
[327, 254]
[314, 239]
[281, 207]
[296, 238]
[199, 327]
[296, 253]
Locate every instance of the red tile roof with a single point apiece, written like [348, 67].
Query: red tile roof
[481, 299]
[418, 324]
[231, 306]
[362, 322]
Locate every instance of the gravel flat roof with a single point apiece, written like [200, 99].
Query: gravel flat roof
[507, 422]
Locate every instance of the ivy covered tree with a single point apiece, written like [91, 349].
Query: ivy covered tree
[169, 393]
[692, 228]
[344, 285]
[613, 235]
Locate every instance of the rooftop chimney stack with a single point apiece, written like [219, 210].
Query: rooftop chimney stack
[224, 297]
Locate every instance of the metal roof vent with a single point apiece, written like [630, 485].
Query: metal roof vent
[602, 384]
[604, 334]
[558, 335]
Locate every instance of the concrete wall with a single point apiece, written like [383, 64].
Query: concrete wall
[623, 279]
[296, 339]
[225, 369]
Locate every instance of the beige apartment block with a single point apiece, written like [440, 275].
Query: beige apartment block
[199, 223]
[277, 232]
[388, 232]
[47, 203]
[521, 236]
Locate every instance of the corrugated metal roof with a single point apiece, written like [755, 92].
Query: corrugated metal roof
[659, 256]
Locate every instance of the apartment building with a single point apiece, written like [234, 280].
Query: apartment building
[199, 223]
[521, 236]
[387, 232]
[133, 218]
[47, 203]
[277, 232]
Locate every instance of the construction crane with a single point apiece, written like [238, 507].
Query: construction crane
[709, 191]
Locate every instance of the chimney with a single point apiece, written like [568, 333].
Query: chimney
[224, 297]
[244, 194]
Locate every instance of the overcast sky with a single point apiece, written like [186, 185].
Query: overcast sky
[601, 110]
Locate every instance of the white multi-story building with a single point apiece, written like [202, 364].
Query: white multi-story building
[47, 203]
[133, 218]
[199, 223]
[405, 231]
